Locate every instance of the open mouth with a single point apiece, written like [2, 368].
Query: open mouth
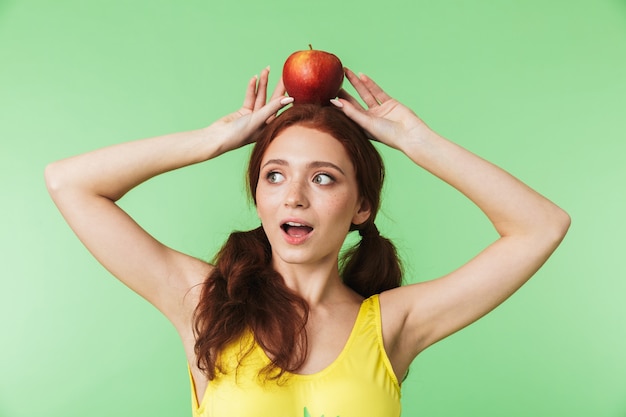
[294, 229]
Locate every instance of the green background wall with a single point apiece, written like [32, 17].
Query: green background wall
[538, 87]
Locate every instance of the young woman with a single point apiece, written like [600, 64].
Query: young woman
[282, 326]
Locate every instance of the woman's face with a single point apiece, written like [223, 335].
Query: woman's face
[307, 196]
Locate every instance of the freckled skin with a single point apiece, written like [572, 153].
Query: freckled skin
[329, 208]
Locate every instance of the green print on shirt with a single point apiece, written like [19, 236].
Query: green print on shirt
[306, 413]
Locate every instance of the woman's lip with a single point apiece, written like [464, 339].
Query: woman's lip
[295, 239]
[295, 221]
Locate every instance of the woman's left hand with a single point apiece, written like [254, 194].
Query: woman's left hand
[529, 225]
[385, 119]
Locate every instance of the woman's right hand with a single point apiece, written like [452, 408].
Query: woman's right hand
[86, 187]
[243, 126]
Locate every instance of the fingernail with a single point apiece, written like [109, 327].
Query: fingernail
[286, 100]
[336, 102]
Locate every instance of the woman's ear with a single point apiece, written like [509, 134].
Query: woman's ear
[363, 213]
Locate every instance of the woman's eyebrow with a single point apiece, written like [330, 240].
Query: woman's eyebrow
[324, 164]
[313, 164]
[275, 162]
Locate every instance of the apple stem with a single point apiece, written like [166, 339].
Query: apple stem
[310, 47]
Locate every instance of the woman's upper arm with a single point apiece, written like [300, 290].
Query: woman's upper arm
[421, 314]
[161, 275]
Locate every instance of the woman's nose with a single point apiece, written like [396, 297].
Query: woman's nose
[296, 195]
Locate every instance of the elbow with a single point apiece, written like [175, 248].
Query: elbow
[566, 221]
[55, 179]
[51, 177]
[559, 223]
[544, 230]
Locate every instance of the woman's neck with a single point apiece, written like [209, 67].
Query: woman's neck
[317, 283]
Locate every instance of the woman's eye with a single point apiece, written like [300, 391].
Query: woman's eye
[275, 177]
[323, 179]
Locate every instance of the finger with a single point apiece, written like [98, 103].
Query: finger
[375, 89]
[267, 112]
[261, 93]
[279, 90]
[353, 112]
[248, 102]
[361, 88]
[347, 96]
[279, 93]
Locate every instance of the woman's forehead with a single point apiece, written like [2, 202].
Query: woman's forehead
[300, 144]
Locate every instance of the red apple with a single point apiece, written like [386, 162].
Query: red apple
[312, 76]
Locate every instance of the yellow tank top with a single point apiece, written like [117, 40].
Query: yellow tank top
[360, 381]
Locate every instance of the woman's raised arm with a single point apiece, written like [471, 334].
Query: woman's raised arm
[85, 188]
[529, 225]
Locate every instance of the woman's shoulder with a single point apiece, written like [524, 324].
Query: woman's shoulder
[393, 317]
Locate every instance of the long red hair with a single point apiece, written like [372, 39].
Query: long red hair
[245, 293]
